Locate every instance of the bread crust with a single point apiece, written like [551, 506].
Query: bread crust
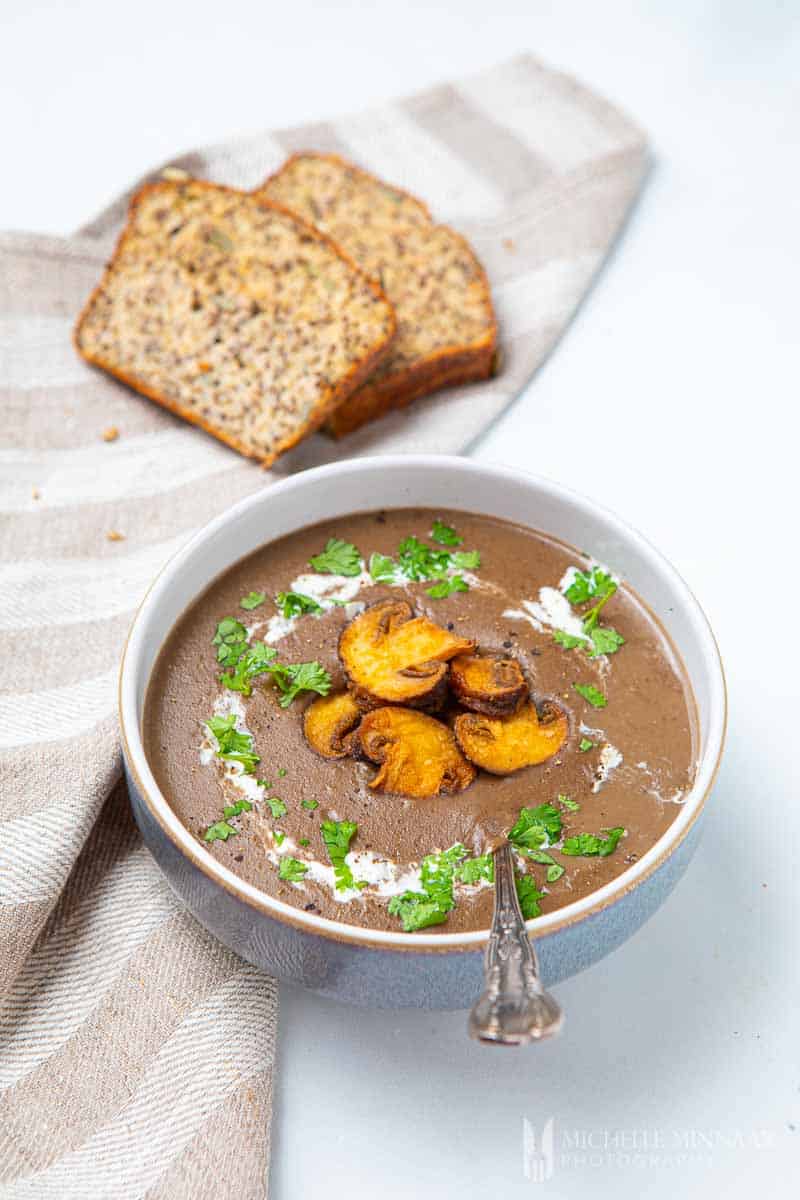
[451, 367]
[446, 367]
[328, 403]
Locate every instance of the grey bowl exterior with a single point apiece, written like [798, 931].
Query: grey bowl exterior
[375, 977]
[395, 970]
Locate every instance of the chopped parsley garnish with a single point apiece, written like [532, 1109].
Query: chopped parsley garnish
[445, 535]
[252, 600]
[233, 746]
[282, 772]
[594, 584]
[337, 836]
[585, 744]
[276, 806]
[605, 640]
[303, 842]
[300, 677]
[309, 804]
[295, 604]
[591, 694]
[280, 838]
[554, 869]
[235, 810]
[382, 568]
[568, 640]
[291, 869]
[419, 561]
[230, 640]
[587, 845]
[468, 560]
[253, 661]
[535, 826]
[473, 870]
[569, 804]
[529, 896]
[447, 586]
[419, 910]
[219, 832]
[338, 558]
[245, 662]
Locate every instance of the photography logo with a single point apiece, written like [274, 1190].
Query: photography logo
[538, 1153]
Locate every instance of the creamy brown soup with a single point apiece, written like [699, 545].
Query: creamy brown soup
[585, 642]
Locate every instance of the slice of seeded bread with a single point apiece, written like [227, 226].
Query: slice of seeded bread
[446, 328]
[234, 314]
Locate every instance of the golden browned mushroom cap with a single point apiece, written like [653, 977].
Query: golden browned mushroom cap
[488, 683]
[329, 721]
[501, 745]
[391, 656]
[418, 756]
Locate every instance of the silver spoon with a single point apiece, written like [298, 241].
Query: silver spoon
[514, 1008]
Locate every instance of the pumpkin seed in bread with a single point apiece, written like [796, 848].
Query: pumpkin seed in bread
[446, 331]
[236, 315]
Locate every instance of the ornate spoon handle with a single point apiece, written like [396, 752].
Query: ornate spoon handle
[514, 1008]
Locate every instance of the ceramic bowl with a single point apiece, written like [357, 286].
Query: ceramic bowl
[395, 969]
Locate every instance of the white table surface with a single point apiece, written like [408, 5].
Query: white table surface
[673, 399]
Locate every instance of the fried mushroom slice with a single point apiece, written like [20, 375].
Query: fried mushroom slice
[502, 745]
[417, 754]
[328, 724]
[393, 657]
[488, 683]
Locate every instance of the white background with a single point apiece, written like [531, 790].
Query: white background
[673, 399]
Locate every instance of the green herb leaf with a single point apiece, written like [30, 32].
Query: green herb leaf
[419, 910]
[337, 836]
[255, 660]
[219, 832]
[382, 568]
[568, 640]
[605, 640]
[468, 560]
[447, 586]
[474, 869]
[535, 826]
[301, 677]
[554, 872]
[303, 842]
[419, 561]
[529, 896]
[280, 838]
[231, 640]
[233, 746]
[585, 744]
[445, 535]
[587, 845]
[276, 807]
[235, 810]
[591, 694]
[292, 869]
[295, 604]
[252, 600]
[282, 772]
[309, 804]
[569, 805]
[338, 558]
[594, 584]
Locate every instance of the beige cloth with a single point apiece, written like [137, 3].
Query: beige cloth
[136, 1053]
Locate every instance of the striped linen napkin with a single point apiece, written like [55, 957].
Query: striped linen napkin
[136, 1053]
